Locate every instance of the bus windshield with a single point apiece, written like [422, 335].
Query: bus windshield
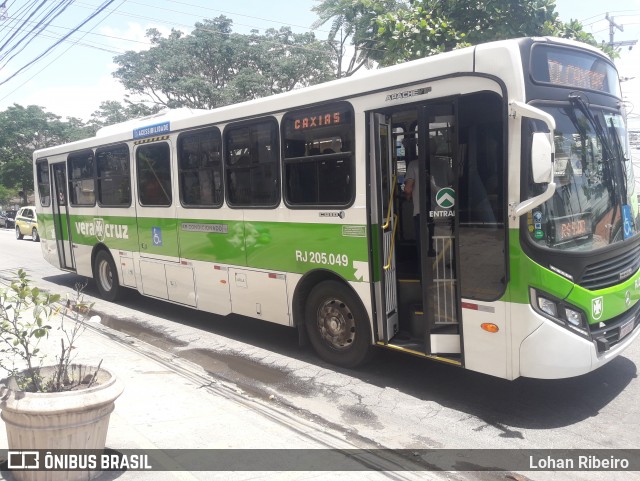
[595, 203]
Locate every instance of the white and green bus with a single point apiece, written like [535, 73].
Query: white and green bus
[523, 259]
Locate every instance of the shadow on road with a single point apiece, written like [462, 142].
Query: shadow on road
[504, 405]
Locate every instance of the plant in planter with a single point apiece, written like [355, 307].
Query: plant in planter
[59, 406]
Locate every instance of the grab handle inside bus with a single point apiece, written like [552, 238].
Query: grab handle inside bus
[541, 155]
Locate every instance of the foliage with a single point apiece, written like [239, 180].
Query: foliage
[113, 112]
[212, 66]
[354, 22]
[413, 33]
[6, 195]
[25, 315]
[23, 130]
[412, 29]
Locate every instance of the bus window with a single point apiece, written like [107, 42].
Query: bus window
[200, 168]
[318, 157]
[153, 163]
[81, 179]
[44, 184]
[114, 178]
[252, 164]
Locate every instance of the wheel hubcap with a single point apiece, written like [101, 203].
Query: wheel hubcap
[336, 324]
[106, 276]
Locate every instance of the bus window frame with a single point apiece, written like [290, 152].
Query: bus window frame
[228, 170]
[220, 162]
[343, 106]
[103, 148]
[39, 162]
[71, 180]
[169, 170]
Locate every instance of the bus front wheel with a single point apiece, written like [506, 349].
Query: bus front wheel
[338, 325]
[106, 277]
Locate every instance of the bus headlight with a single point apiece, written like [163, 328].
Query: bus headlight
[574, 317]
[548, 306]
[559, 312]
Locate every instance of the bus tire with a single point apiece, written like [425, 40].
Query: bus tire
[106, 276]
[338, 324]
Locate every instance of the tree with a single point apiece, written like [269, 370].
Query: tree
[353, 22]
[213, 66]
[113, 112]
[412, 33]
[6, 195]
[23, 130]
[418, 28]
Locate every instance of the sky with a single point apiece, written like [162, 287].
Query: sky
[76, 77]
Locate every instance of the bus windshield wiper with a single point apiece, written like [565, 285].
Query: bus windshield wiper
[577, 101]
[609, 158]
[613, 132]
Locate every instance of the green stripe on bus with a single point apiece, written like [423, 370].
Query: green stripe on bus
[278, 246]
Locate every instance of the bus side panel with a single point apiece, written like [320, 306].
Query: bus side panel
[48, 236]
[485, 351]
[300, 247]
[82, 256]
[212, 287]
[259, 294]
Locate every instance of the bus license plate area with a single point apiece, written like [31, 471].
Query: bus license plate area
[626, 329]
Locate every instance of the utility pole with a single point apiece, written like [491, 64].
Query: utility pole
[612, 26]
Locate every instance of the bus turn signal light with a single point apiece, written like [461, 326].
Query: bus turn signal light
[489, 327]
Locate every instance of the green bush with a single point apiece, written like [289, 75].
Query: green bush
[26, 313]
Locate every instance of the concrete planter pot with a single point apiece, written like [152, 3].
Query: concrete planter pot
[63, 420]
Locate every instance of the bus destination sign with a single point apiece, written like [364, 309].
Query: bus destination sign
[320, 120]
[152, 130]
[575, 76]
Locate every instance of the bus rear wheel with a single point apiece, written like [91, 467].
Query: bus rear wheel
[338, 325]
[106, 277]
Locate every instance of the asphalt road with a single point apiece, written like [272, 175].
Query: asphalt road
[396, 401]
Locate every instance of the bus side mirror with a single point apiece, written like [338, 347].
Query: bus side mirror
[541, 158]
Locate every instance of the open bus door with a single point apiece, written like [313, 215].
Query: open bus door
[438, 176]
[417, 294]
[61, 221]
[384, 216]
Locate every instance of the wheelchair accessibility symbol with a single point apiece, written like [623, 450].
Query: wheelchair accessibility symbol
[627, 221]
[156, 233]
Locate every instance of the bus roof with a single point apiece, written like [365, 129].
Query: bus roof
[413, 72]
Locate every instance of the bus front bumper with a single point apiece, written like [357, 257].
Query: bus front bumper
[553, 352]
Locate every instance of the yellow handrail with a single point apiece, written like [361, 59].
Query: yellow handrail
[393, 243]
[393, 191]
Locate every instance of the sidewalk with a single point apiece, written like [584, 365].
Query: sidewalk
[170, 403]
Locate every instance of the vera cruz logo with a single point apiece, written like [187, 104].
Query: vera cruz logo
[102, 230]
[99, 228]
[446, 198]
[597, 306]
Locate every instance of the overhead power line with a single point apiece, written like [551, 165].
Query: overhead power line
[45, 22]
